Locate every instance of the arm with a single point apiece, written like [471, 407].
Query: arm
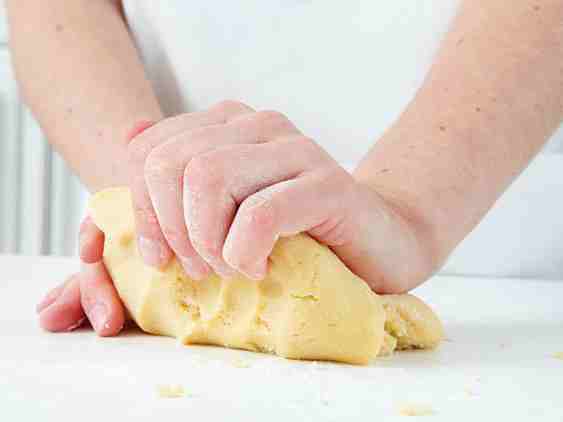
[80, 73]
[490, 101]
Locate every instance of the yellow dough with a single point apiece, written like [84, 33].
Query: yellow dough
[310, 306]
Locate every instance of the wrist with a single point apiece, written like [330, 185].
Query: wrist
[421, 250]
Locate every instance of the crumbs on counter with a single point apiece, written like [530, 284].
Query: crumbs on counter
[171, 391]
[411, 409]
[470, 391]
[239, 363]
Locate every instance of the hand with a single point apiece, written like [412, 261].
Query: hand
[90, 293]
[219, 187]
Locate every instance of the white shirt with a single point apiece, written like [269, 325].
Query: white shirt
[342, 72]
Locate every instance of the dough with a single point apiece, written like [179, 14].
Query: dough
[416, 410]
[171, 391]
[310, 306]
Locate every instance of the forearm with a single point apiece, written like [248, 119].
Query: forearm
[80, 74]
[490, 101]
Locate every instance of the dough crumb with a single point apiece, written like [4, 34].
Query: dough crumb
[239, 363]
[171, 391]
[416, 410]
[558, 355]
[470, 392]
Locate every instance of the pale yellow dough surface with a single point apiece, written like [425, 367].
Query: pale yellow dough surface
[310, 306]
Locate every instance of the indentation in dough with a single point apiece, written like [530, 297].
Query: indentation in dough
[185, 297]
[388, 346]
[270, 289]
[238, 302]
[263, 323]
[311, 298]
[315, 277]
[398, 326]
[191, 309]
[125, 238]
[207, 294]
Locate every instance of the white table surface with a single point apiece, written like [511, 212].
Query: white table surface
[497, 364]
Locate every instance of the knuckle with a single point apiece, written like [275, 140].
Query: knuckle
[228, 107]
[270, 122]
[200, 136]
[261, 213]
[309, 143]
[204, 173]
[340, 177]
[158, 166]
[310, 147]
[271, 117]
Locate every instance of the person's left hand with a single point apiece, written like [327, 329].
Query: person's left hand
[90, 293]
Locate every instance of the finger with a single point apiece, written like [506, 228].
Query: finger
[214, 187]
[100, 300]
[50, 297]
[65, 313]
[153, 244]
[317, 199]
[90, 241]
[164, 170]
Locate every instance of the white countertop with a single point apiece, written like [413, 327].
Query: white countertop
[497, 364]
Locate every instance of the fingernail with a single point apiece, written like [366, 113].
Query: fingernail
[152, 252]
[98, 316]
[193, 269]
[76, 324]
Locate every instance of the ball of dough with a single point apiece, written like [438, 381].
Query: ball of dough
[309, 306]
